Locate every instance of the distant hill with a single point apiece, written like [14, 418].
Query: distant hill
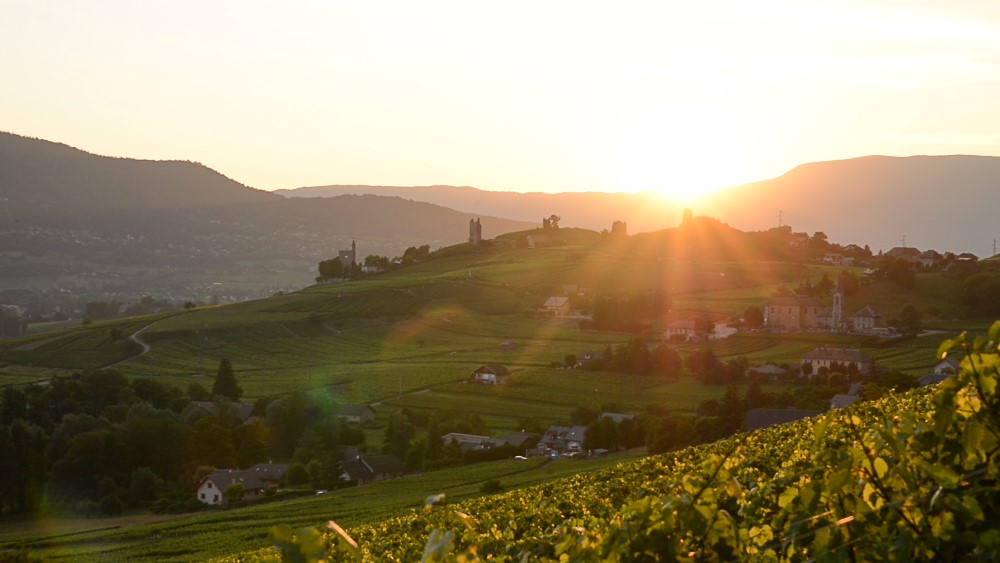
[939, 202]
[946, 203]
[589, 210]
[69, 218]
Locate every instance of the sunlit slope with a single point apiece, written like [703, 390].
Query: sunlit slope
[432, 323]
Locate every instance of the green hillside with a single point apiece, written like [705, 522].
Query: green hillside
[909, 477]
[410, 339]
[429, 325]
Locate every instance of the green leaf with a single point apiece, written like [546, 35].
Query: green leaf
[838, 480]
[994, 333]
[942, 475]
[881, 467]
[945, 347]
[787, 496]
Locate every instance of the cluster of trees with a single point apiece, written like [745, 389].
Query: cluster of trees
[626, 312]
[100, 310]
[606, 433]
[96, 442]
[415, 438]
[11, 324]
[635, 357]
[333, 268]
[981, 294]
[897, 270]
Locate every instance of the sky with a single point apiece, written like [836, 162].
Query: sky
[674, 97]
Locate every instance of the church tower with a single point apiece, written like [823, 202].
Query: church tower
[475, 231]
[838, 305]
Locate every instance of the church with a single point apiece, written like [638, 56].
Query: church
[801, 313]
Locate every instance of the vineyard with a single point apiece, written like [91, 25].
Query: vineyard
[908, 477]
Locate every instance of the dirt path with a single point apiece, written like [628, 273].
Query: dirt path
[134, 337]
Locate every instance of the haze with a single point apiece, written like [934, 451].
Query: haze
[674, 97]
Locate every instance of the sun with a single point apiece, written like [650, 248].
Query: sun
[683, 151]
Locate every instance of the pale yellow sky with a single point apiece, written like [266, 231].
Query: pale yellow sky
[522, 96]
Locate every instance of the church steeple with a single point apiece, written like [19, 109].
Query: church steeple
[838, 305]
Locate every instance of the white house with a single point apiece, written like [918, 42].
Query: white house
[865, 320]
[556, 306]
[692, 330]
[358, 414]
[948, 366]
[832, 357]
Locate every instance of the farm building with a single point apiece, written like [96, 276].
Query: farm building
[491, 374]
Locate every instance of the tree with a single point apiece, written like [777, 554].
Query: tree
[330, 269]
[250, 441]
[909, 321]
[753, 317]
[111, 505]
[298, 474]
[731, 410]
[143, 486]
[583, 415]
[899, 271]
[210, 443]
[398, 434]
[669, 433]
[234, 492]
[756, 397]
[602, 433]
[225, 382]
[667, 362]
[197, 392]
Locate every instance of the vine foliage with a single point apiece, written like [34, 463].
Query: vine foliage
[908, 477]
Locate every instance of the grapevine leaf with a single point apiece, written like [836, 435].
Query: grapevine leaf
[881, 467]
[787, 496]
[944, 476]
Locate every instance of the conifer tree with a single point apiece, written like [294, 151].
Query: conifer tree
[225, 382]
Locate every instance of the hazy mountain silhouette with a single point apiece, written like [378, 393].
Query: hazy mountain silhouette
[946, 203]
[939, 202]
[588, 210]
[64, 211]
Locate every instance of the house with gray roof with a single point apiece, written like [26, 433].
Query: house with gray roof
[556, 306]
[865, 320]
[562, 439]
[211, 489]
[768, 371]
[491, 374]
[369, 469]
[358, 414]
[616, 417]
[832, 358]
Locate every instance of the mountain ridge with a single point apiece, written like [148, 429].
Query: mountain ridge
[872, 199]
[97, 228]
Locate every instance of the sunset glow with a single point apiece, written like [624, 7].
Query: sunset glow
[682, 150]
[677, 98]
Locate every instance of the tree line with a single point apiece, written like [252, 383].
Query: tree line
[97, 443]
